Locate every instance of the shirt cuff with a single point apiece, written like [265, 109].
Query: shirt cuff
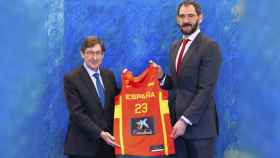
[162, 80]
[186, 120]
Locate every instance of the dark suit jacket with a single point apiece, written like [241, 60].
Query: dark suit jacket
[193, 87]
[87, 117]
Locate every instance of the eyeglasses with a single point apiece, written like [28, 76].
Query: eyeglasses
[97, 53]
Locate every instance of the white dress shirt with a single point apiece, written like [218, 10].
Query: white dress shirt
[90, 73]
[191, 39]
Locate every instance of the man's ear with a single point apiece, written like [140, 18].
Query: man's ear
[177, 20]
[200, 18]
[82, 54]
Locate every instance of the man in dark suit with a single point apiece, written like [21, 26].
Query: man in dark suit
[194, 68]
[89, 92]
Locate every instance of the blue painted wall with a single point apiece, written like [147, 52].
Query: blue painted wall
[33, 115]
[40, 41]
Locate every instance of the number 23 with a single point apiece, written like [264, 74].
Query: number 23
[141, 108]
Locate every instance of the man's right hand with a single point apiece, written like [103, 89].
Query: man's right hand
[109, 139]
[178, 129]
[160, 71]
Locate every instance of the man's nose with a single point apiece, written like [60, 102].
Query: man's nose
[94, 56]
[186, 19]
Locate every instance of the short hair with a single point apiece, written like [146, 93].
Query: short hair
[91, 41]
[190, 2]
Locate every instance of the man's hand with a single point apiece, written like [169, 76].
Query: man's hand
[108, 138]
[160, 71]
[178, 129]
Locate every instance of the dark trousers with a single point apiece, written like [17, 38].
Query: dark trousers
[145, 157]
[104, 151]
[196, 148]
[74, 156]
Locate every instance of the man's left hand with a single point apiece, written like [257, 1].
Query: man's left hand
[109, 139]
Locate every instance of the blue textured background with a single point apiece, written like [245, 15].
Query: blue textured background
[40, 41]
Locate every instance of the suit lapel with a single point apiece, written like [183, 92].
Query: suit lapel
[89, 84]
[174, 55]
[192, 48]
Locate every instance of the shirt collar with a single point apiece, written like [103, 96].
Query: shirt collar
[193, 35]
[90, 71]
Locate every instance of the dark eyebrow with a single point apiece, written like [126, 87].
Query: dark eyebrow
[190, 15]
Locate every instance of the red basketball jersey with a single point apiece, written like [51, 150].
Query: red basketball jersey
[141, 118]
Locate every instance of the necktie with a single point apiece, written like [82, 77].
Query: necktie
[180, 58]
[100, 89]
